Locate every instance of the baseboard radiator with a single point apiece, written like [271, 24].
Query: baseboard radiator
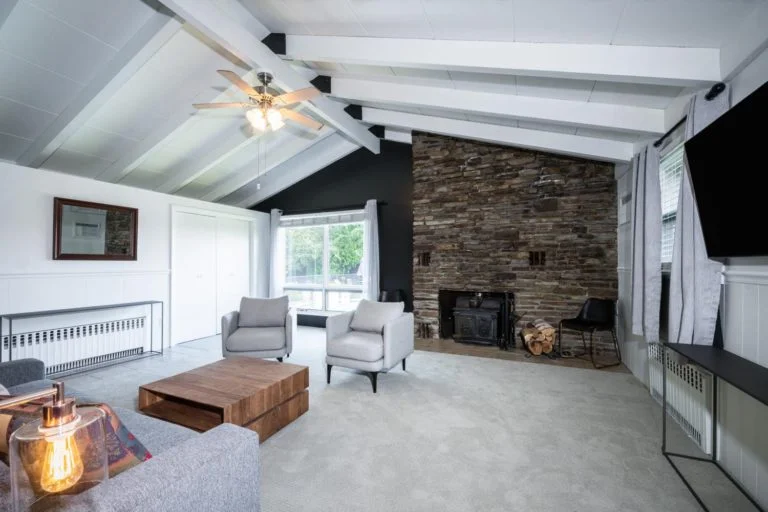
[689, 395]
[77, 347]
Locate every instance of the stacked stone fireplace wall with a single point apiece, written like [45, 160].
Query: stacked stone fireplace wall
[479, 210]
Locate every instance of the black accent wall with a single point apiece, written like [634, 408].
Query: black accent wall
[351, 181]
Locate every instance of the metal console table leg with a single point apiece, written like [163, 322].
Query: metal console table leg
[713, 458]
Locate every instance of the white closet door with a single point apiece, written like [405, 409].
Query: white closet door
[233, 261]
[193, 277]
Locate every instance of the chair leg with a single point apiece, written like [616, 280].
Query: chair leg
[583, 342]
[618, 353]
[403, 364]
[560, 338]
[592, 347]
[328, 373]
[280, 359]
[373, 376]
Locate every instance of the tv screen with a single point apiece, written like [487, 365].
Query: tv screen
[727, 164]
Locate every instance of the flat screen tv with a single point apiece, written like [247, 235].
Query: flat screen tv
[728, 167]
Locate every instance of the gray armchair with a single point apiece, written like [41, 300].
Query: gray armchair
[373, 339]
[262, 328]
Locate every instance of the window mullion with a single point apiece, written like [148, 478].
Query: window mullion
[326, 265]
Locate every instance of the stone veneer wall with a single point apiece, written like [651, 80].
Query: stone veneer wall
[478, 209]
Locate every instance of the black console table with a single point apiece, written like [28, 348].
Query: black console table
[10, 317]
[749, 377]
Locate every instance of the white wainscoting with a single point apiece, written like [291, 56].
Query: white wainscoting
[46, 291]
[743, 447]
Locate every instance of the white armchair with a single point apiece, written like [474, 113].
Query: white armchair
[262, 328]
[374, 338]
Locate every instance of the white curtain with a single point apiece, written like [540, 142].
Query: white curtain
[276, 254]
[646, 244]
[370, 263]
[694, 290]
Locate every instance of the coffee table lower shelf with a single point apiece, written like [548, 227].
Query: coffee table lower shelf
[201, 418]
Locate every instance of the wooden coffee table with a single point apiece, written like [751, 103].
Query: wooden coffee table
[263, 396]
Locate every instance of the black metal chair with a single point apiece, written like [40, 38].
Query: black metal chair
[596, 315]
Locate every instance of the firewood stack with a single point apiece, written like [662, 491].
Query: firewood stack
[539, 337]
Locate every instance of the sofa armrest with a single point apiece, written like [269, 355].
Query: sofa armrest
[217, 470]
[228, 326]
[398, 339]
[21, 371]
[291, 326]
[337, 325]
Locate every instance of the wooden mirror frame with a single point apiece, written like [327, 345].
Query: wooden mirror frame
[58, 210]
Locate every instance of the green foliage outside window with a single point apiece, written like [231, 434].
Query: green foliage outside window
[304, 254]
[346, 249]
[304, 247]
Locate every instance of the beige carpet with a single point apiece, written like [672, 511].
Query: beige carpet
[459, 433]
[454, 433]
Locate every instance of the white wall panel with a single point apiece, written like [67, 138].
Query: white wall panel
[31, 280]
[744, 448]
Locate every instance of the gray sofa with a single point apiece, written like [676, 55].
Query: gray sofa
[212, 471]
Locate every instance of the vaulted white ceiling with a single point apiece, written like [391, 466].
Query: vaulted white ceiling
[104, 89]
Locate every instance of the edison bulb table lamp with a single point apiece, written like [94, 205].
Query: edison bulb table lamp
[62, 452]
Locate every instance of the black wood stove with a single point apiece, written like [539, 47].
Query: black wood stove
[483, 318]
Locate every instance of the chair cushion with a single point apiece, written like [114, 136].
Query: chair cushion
[372, 316]
[360, 346]
[263, 312]
[250, 339]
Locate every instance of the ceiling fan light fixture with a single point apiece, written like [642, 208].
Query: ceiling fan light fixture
[275, 119]
[254, 114]
[259, 123]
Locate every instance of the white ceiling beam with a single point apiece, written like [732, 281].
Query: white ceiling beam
[251, 171]
[136, 52]
[306, 163]
[5, 10]
[404, 136]
[203, 160]
[574, 145]
[636, 64]
[236, 35]
[575, 113]
[745, 43]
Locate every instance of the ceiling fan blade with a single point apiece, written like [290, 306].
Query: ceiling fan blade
[221, 105]
[304, 120]
[290, 98]
[239, 82]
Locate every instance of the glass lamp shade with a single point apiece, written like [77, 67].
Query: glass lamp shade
[65, 459]
[275, 119]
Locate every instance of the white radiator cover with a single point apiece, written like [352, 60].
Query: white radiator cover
[69, 348]
[689, 395]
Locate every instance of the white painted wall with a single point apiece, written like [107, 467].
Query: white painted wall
[31, 280]
[743, 446]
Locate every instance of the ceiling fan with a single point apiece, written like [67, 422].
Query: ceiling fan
[264, 108]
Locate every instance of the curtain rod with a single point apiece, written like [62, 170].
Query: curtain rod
[713, 93]
[334, 209]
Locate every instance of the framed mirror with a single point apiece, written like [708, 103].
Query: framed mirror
[93, 231]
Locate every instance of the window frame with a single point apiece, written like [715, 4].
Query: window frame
[674, 145]
[325, 287]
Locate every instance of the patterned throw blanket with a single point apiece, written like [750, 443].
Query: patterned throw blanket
[123, 449]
